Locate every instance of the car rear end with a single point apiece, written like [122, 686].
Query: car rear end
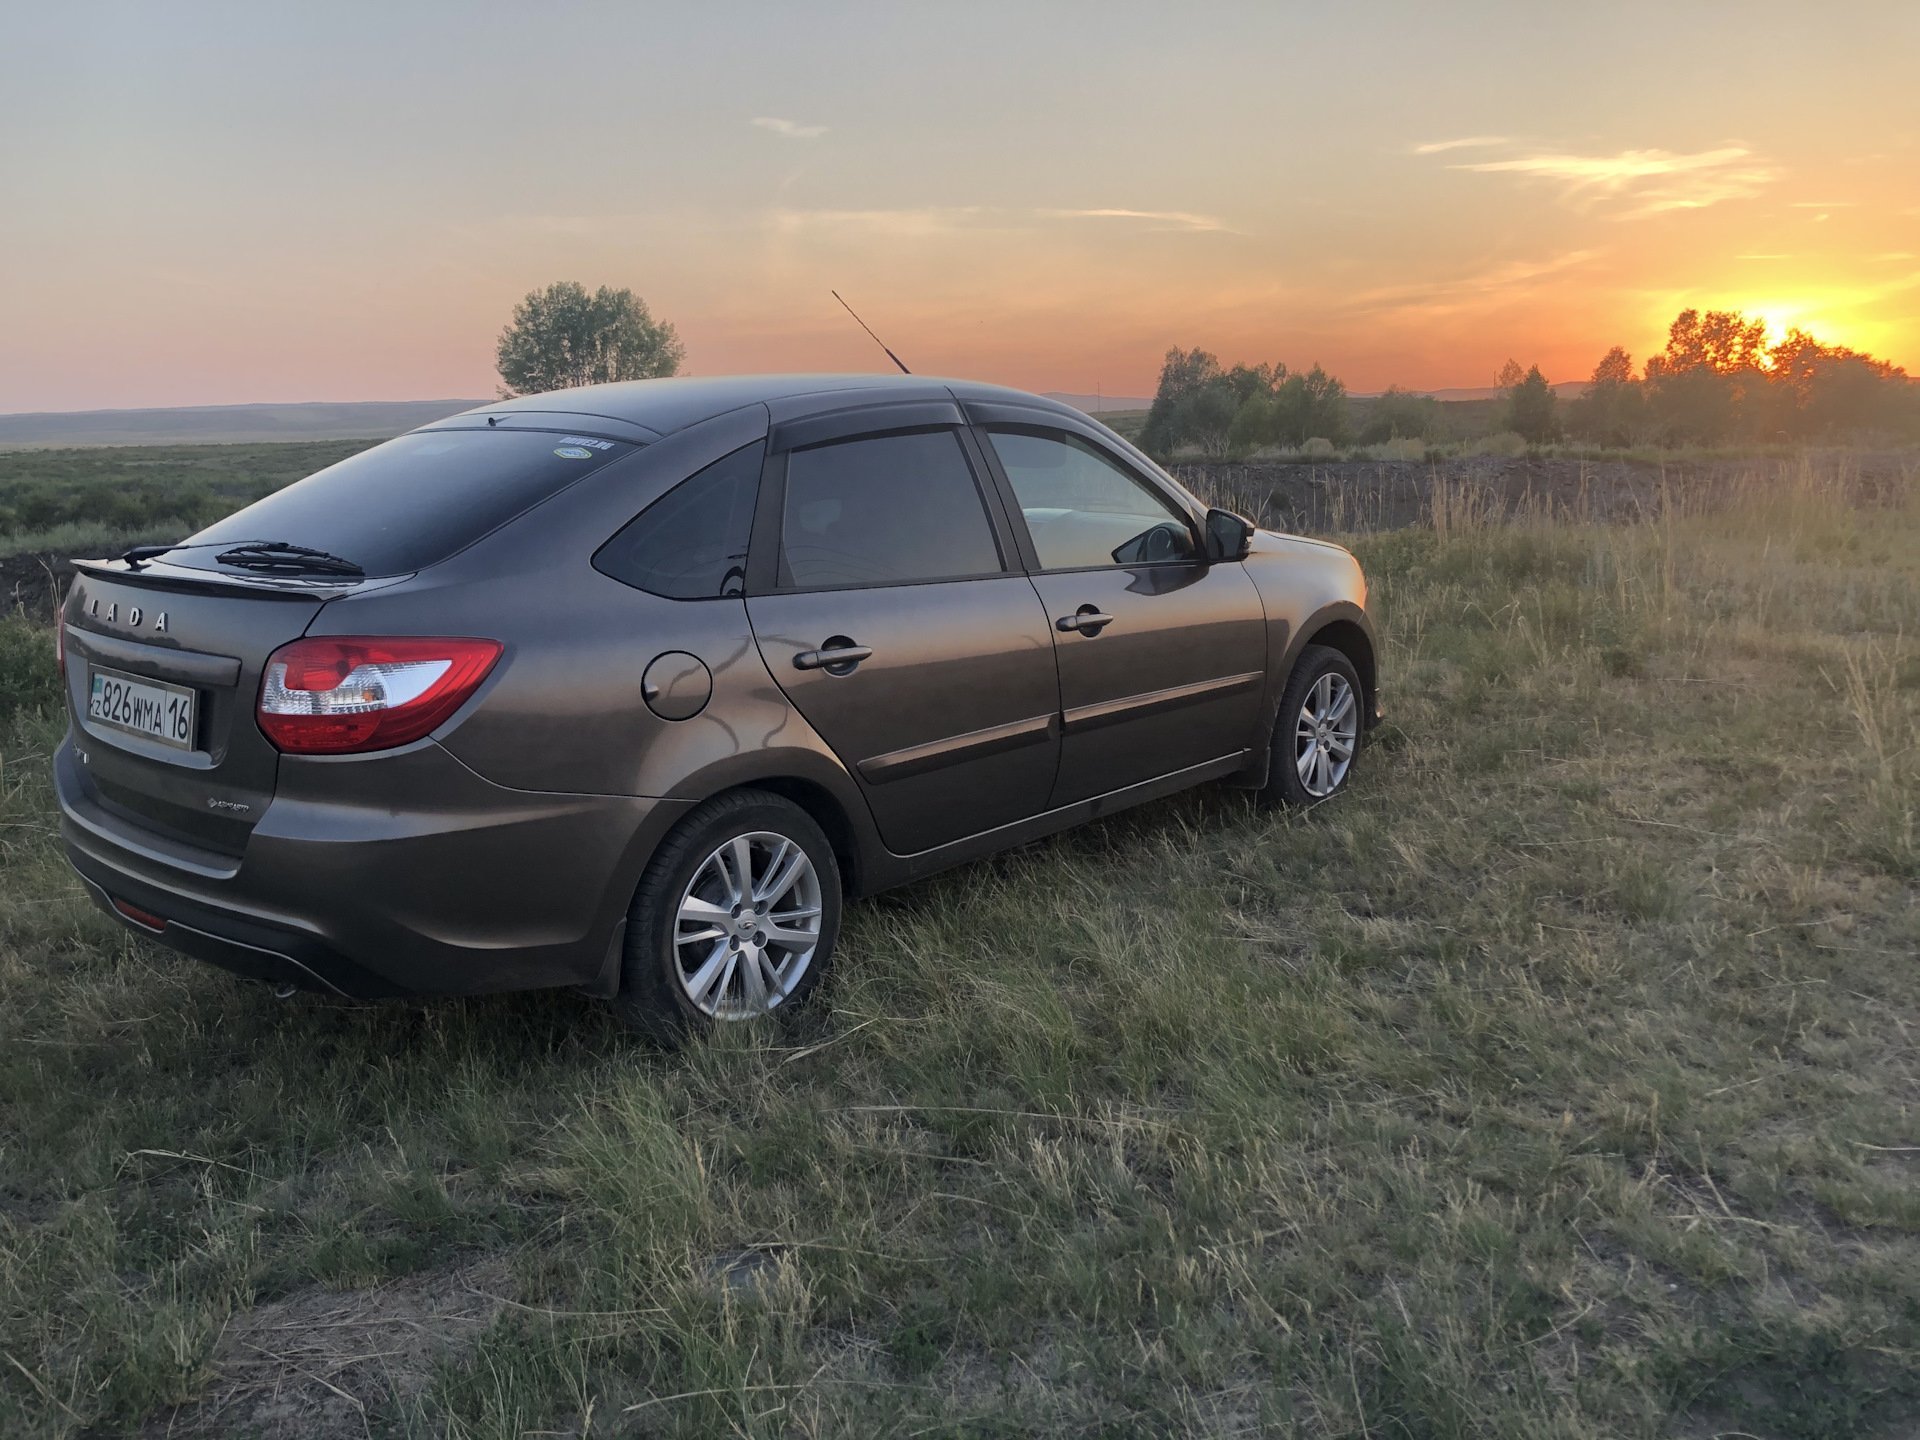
[278, 802]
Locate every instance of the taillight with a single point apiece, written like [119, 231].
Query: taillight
[60, 644]
[337, 695]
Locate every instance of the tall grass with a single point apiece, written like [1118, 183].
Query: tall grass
[1557, 1081]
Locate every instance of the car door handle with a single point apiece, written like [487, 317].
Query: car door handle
[838, 656]
[1088, 620]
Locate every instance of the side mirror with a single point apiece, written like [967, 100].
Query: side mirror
[1229, 536]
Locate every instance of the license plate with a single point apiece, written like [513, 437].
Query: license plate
[142, 707]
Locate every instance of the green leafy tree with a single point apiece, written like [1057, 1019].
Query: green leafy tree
[1252, 426]
[1310, 405]
[1182, 372]
[562, 336]
[1530, 404]
[1204, 417]
[1398, 414]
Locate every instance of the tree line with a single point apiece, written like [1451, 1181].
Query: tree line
[1717, 382]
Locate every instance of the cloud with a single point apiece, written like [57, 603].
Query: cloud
[789, 129]
[1470, 142]
[1473, 291]
[1644, 182]
[1824, 204]
[927, 220]
[920, 221]
[1161, 219]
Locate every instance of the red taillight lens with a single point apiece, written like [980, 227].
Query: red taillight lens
[339, 695]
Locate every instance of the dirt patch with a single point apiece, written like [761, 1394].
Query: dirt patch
[320, 1364]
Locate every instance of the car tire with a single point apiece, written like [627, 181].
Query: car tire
[701, 948]
[1322, 714]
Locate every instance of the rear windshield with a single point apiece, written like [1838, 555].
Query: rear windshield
[416, 500]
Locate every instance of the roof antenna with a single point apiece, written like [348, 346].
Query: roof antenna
[869, 329]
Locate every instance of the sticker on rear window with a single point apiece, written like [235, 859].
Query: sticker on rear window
[573, 452]
[586, 440]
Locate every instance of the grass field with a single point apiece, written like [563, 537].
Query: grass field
[92, 501]
[1559, 1081]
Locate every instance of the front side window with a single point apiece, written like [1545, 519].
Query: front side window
[883, 510]
[1082, 509]
[691, 543]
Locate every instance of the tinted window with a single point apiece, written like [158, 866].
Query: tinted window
[1083, 510]
[883, 509]
[415, 500]
[691, 543]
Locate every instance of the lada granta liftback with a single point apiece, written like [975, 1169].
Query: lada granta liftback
[626, 688]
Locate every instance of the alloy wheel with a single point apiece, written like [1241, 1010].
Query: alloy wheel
[1326, 734]
[747, 926]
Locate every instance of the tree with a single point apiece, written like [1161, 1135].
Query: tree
[1252, 426]
[1530, 402]
[1615, 368]
[1205, 416]
[1230, 412]
[1398, 414]
[1181, 373]
[1309, 406]
[1613, 410]
[562, 336]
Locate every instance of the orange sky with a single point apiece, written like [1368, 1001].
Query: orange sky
[217, 204]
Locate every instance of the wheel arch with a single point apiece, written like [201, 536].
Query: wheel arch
[828, 812]
[1341, 626]
[1352, 636]
[814, 780]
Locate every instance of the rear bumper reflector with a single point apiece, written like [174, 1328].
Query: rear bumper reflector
[145, 919]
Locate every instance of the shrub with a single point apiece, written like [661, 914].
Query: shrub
[29, 673]
[1505, 443]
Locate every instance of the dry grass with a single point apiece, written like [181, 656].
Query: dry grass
[1559, 1081]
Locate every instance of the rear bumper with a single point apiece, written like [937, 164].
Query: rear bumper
[403, 874]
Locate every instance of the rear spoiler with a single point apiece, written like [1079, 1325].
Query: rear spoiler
[159, 575]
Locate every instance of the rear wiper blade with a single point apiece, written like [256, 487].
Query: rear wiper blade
[282, 556]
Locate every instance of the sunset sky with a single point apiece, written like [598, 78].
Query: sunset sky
[205, 205]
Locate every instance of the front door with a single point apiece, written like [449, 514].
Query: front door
[891, 620]
[1162, 655]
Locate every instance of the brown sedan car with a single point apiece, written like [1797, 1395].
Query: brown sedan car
[624, 688]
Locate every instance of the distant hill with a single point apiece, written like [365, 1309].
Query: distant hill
[224, 424]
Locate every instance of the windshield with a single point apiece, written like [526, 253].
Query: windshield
[413, 501]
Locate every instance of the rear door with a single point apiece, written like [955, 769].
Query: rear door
[1162, 655]
[882, 597]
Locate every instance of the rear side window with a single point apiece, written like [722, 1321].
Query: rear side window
[417, 499]
[691, 543]
[883, 510]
